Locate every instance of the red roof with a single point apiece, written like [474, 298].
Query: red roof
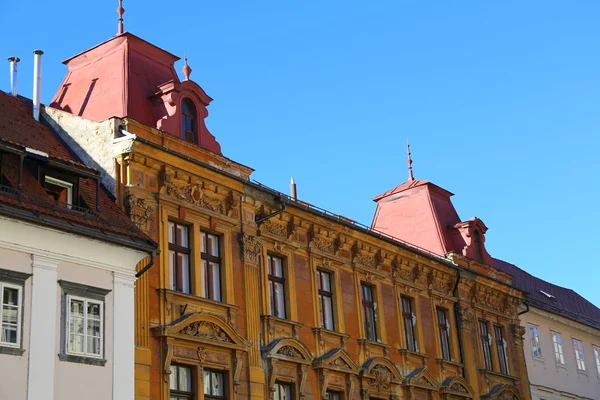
[19, 129]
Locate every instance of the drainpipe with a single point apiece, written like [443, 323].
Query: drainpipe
[147, 267]
[526, 309]
[258, 220]
[457, 321]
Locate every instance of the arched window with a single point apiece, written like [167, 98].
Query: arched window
[477, 244]
[188, 121]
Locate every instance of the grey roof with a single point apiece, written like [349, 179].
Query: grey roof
[563, 301]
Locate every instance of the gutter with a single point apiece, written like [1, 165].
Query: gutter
[150, 263]
[526, 308]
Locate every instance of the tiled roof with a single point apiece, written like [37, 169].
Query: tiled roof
[19, 129]
[565, 302]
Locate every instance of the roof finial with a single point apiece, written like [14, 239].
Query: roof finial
[410, 172]
[120, 11]
[187, 71]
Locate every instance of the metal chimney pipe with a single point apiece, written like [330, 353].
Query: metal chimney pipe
[37, 82]
[293, 192]
[13, 75]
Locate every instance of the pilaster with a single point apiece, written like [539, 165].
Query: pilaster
[123, 336]
[42, 338]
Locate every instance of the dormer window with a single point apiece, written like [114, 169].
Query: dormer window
[59, 190]
[188, 121]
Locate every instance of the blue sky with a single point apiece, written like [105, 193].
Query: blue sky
[499, 100]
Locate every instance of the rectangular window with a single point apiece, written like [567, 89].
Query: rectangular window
[10, 315]
[214, 385]
[59, 190]
[180, 383]
[597, 357]
[276, 286]
[283, 391]
[558, 349]
[334, 395]
[409, 320]
[444, 328]
[179, 257]
[85, 326]
[211, 266]
[369, 306]
[325, 299]
[501, 349]
[534, 336]
[486, 345]
[578, 347]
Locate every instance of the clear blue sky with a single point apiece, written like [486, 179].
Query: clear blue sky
[500, 101]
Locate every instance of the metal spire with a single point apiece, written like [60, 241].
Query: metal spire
[410, 171]
[120, 11]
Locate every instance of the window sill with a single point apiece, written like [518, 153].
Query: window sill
[11, 351]
[538, 359]
[81, 359]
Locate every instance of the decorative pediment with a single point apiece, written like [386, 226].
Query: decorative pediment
[288, 349]
[206, 328]
[456, 386]
[422, 378]
[503, 392]
[380, 373]
[338, 360]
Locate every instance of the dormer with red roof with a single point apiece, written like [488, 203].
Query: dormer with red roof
[421, 213]
[126, 76]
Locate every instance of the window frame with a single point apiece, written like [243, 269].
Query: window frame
[284, 384]
[180, 394]
[187, 117]
[179, 249]
[3, 284]
[532, 336]
[61, 183]
[207, 273]
[323, 296]
[369, 309]
[272, 280]
[486, 345]
[501, 349]
[338, 395]
[559, 357]
[444, 329]
[210, 396]
[596, 350]
[409, 319]
[85, 301]
[579, 355]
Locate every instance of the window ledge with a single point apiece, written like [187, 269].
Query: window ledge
[449, 362]
[12, 351]
[498, 375]
[190, 296]
[81, 359]
[538, 359]
[331, 332]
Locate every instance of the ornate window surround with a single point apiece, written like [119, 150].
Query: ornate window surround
[455, 386]
[288, 361]
[379, 378]
[287, 254]
[333, 368]
[333, 268]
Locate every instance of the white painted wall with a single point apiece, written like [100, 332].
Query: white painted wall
[51, 255]
[550, 381]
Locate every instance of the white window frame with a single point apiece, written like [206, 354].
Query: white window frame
[64, 184]
[85, 335]
[539, 342]
[19, 312]
[579, 356]
[597, 357]
[559, 357]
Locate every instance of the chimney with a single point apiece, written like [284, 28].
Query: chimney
[293, 193]
[13, 75]
[37, 82]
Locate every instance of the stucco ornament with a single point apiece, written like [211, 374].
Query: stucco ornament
[289, 351]
[382, 378]
[206, 330]
[139, 211]
[251, 248]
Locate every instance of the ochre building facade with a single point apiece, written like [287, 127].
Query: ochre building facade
[256, 295]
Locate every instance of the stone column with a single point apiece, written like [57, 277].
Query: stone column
[42, 337]
[251, 249]
[123, 336]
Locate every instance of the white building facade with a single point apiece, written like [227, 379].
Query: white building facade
[67, 315]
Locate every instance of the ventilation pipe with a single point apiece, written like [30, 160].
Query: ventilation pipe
[37, 82]
[293, 193]
[13, 75]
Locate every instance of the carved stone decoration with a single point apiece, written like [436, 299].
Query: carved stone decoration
[192, 193]
[139, 212]
[275, 228]
[289, 351]
[340, 363]
[457, 387]
[323, 244]
[324, 379]
[518, 332]
[465, 318]
[303, 374]
[206, 330]
[291, 228]
[251, 247]
[382, 378]
[237, 370]
[202, 354]
[168, 359]
[273, 371]
[350, 387]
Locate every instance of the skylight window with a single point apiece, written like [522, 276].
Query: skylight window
[548, 295]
